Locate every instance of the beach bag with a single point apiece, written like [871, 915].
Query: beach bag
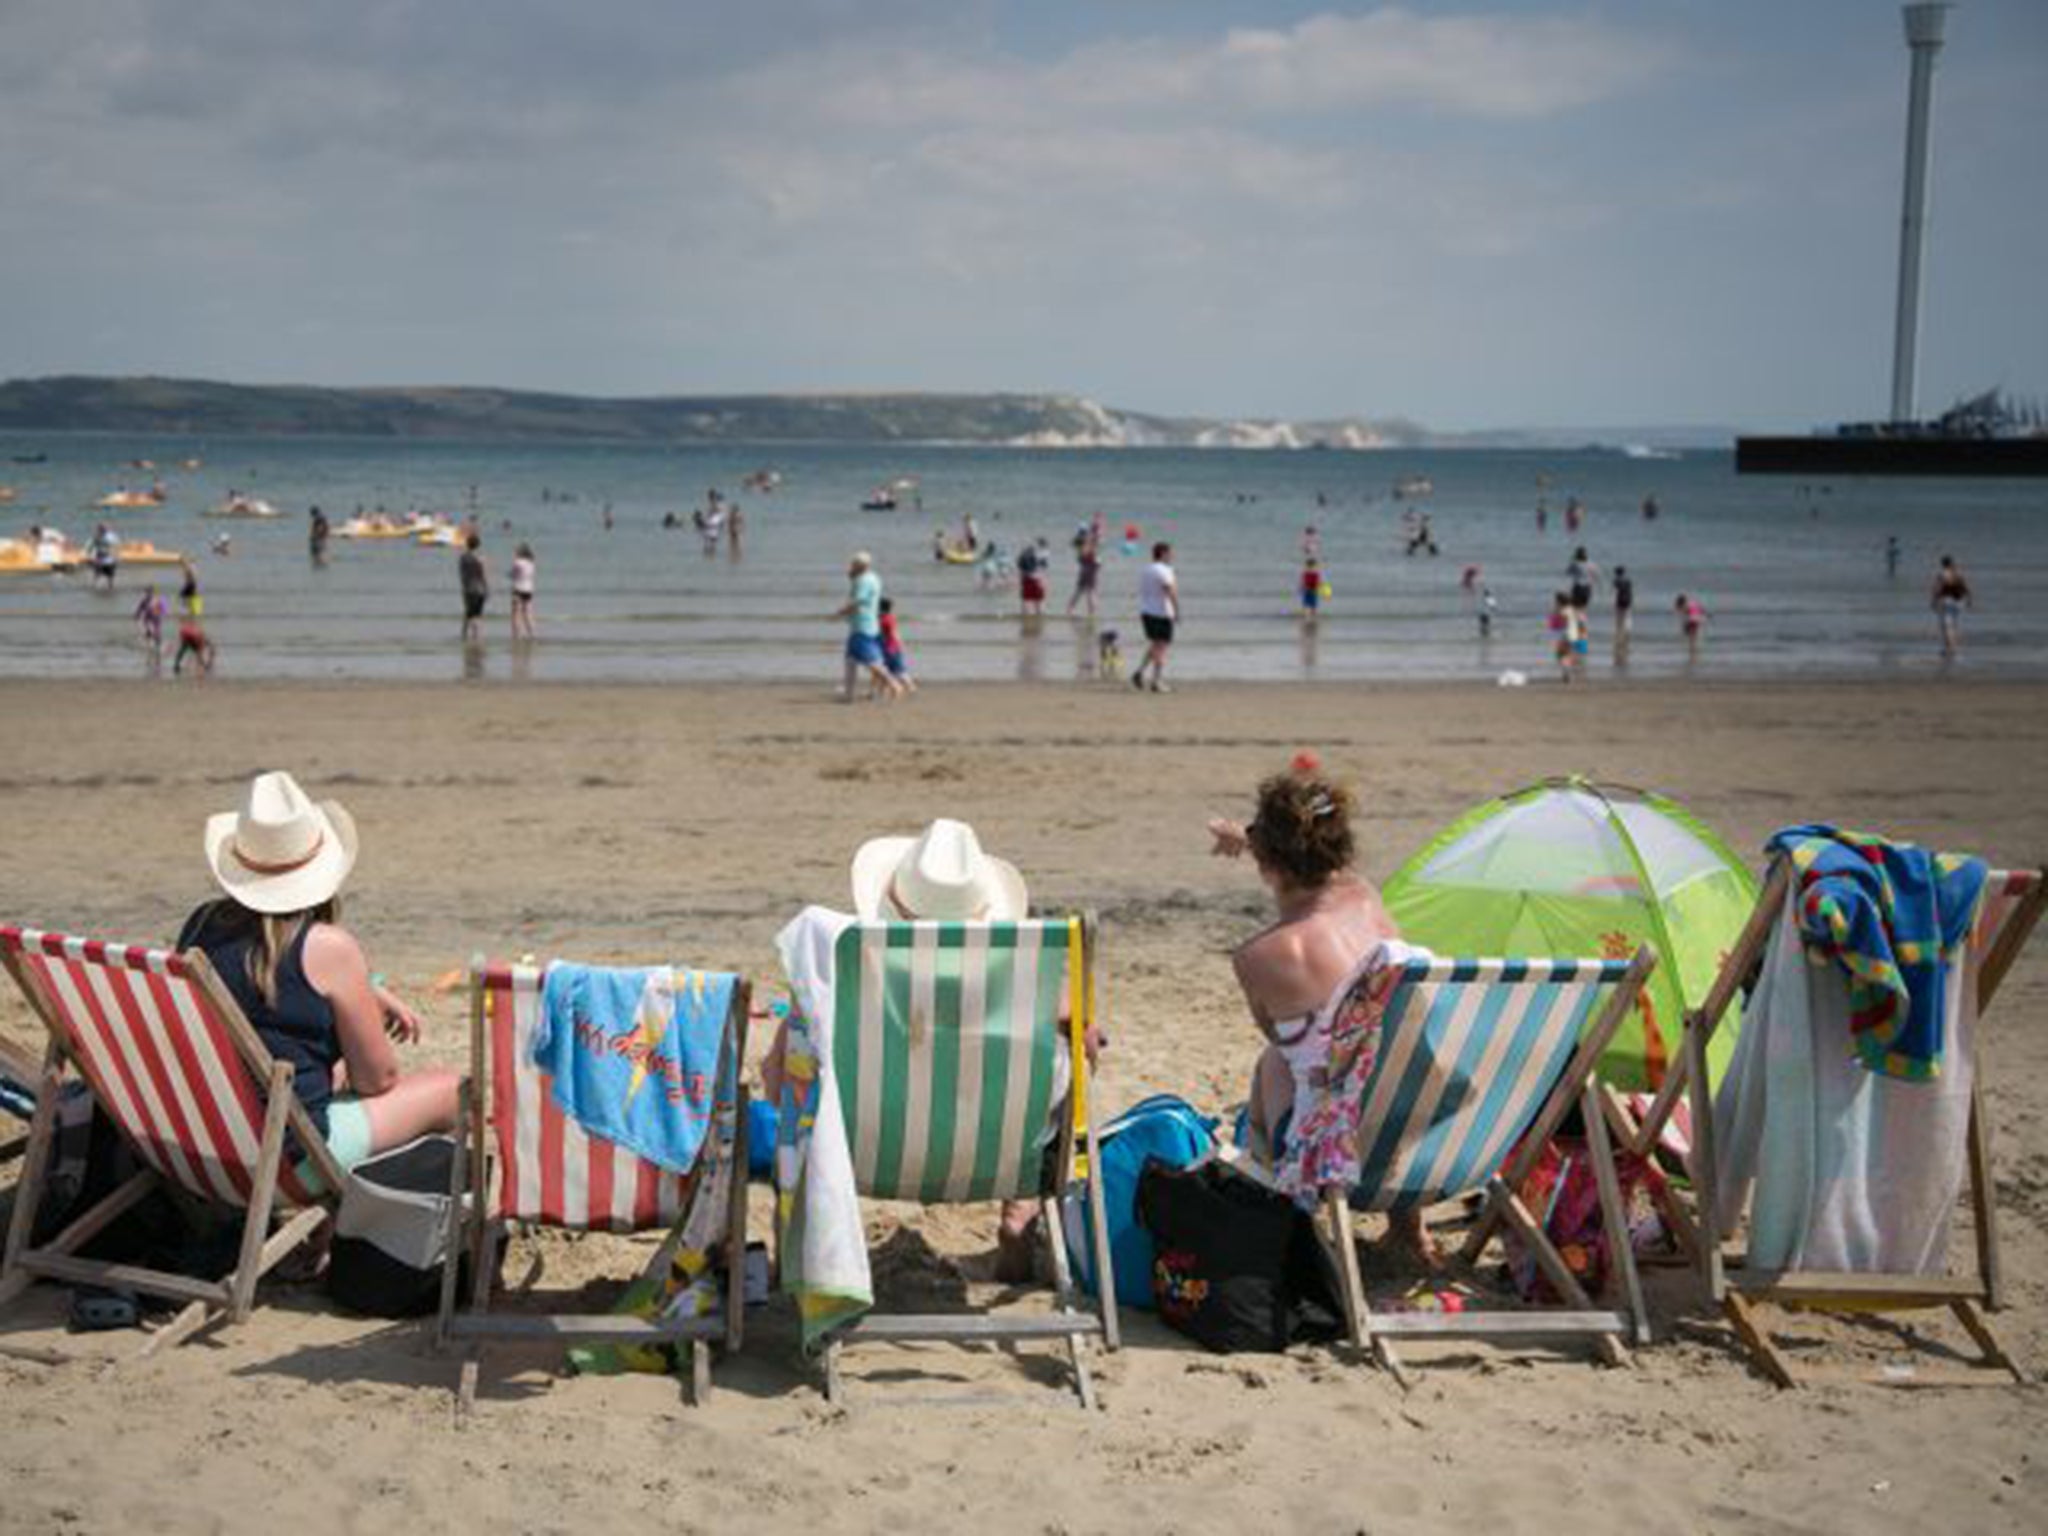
[391, 1232]
[1563, 1193]
[1235, 1266]
[1162, 1129]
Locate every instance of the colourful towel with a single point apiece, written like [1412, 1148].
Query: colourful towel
[633, 1055]
[822, 1245]
[1891, 915]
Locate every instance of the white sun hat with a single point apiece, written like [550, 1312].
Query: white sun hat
[941, 874]
[281, 852]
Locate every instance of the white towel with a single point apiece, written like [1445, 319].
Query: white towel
[825, 1251]
[1853, 1170]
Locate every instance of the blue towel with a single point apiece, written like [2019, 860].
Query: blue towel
[1891, 915]
[634, 1055]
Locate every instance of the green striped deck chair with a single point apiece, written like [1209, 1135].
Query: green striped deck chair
[958, 1081]
[1476, 1064]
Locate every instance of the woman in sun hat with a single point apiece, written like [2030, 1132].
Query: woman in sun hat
[275, 938]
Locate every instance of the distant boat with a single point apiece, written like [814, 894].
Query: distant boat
[1645, 451]
[1410, 486]
[31, 458]
[887, 498]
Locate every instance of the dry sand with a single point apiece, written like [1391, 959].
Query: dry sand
[626, 823]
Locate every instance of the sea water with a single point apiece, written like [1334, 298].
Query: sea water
[1793, 573]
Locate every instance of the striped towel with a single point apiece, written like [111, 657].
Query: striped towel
[1891, 915]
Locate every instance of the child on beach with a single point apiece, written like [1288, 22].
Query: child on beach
[193, 642]
[893, 659]
[1311, 589]
[1567, 625]
[1486, 607]
[149, 620]
[1624, 610]
[522, 593]
[1951, 595]
[1692, 617]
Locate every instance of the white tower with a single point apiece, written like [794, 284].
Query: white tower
[1924, 25]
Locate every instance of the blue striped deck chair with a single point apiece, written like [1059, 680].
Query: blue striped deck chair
[1477, 1064]
[948, 1049]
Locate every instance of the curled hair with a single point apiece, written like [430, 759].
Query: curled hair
[1303, 827]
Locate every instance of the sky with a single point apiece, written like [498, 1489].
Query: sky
[1502, 213]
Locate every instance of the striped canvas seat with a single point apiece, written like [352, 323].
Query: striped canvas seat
[946, 1048]
[2012, 905]
[1474, 1065]
[1469, 1051]
[550, 1172]
[549, 1169]
[958, 1080]
[188, 1084]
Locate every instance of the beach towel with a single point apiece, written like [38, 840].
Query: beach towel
[822, 1243]
[632, 1055]
[1853, 1170]
[1892, 916]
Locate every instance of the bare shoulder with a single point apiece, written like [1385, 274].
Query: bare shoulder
[332, 955]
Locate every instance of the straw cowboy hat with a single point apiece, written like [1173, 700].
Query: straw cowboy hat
[941, 874]
[280, 852]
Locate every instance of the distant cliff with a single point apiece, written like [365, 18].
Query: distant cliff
[200, 408]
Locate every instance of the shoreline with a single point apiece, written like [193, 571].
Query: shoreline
[947, 688]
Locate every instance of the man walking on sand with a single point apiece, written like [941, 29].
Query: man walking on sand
[1159, 612]
[476, 589]
[862, 611]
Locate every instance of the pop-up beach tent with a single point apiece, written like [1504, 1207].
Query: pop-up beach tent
[1572, 867]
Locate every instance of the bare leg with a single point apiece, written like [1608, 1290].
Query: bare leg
[1271, 1097]
[416, 1104]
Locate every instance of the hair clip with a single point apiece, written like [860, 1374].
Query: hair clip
[1322, 806]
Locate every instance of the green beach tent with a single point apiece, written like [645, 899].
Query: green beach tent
[1572, 867]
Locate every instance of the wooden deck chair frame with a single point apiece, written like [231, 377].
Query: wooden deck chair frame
[1067, 1322]
[231, 1298]
[474, 1230]
[1577, 1317]
[1968, 1297]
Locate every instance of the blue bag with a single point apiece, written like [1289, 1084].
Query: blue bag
[1162, 1129]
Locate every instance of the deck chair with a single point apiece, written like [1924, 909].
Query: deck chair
[552, 1173]
[2012, 906]
[944, 1048]
[189, 1085]
[1478, 1063]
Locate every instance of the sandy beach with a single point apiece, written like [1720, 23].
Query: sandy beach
[640, 823]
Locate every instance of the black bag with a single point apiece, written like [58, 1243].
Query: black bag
[391, 1232]
[1235, 1266]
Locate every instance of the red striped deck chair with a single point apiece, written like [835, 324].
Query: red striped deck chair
[2013, 904]
[552, 1173]
[178, 1069]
